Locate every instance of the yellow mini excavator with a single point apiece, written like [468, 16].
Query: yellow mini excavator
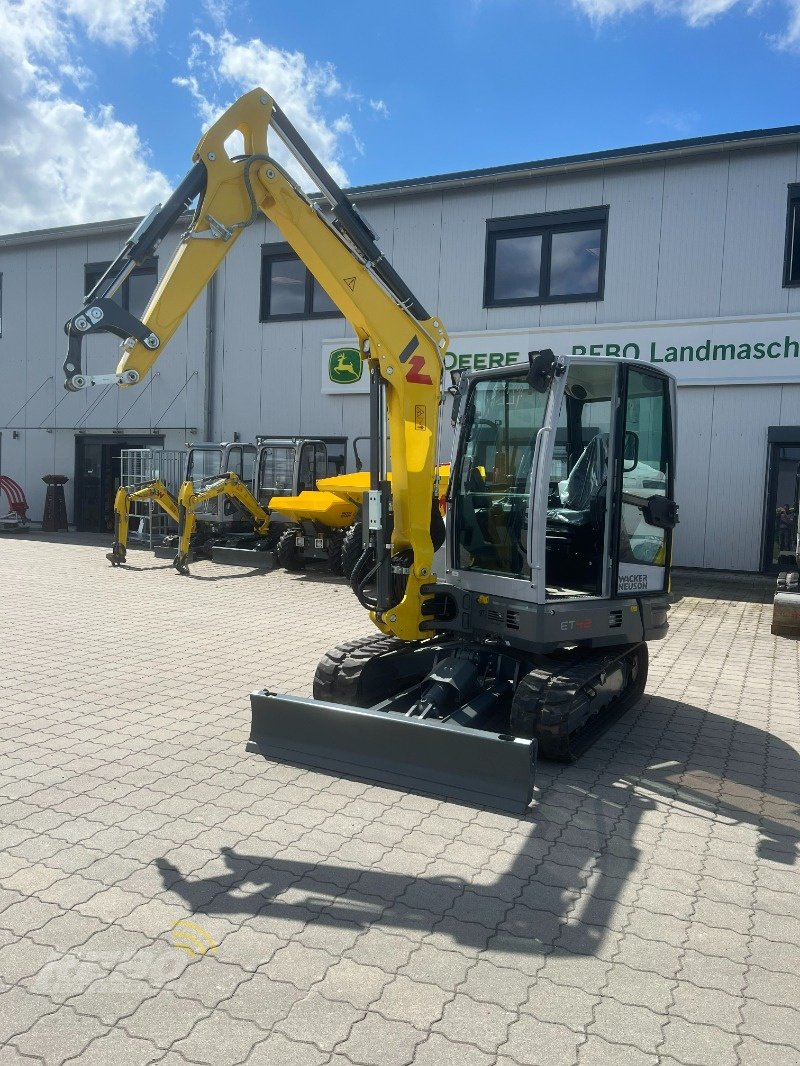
[154, 491]
[556, 553]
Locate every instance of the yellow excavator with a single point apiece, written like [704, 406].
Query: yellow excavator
[555, 559]
[203, 461]
[155, 492]
[228, 487]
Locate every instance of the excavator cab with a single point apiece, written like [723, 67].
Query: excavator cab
[289, 465]
[206, 463]
[556, 573]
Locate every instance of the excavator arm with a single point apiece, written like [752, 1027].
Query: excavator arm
[156, 491]
[401, 344]
[233, 488]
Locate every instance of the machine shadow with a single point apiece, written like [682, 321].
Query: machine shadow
[707, 585]
[560, 890]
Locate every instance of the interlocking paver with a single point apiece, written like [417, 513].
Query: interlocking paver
[648, 902]
[60, 1036]
[376, 1041]
[320, 1021]
[705, 1045]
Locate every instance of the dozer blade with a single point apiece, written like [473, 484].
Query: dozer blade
[258, 560]
[418, 755]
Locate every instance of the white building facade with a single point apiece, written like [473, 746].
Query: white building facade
[685, 255]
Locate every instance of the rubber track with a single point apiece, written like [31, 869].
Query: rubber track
[565, 688]
[339, 671]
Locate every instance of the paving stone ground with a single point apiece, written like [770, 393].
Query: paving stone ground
[168, 898]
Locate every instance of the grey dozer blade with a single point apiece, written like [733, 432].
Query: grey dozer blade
[467, 765]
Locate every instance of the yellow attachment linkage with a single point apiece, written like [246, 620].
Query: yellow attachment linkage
[229, 485]
[156, 491]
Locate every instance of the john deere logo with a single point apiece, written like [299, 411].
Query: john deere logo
[345, 366]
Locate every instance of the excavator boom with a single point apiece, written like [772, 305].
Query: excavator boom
[402, 345]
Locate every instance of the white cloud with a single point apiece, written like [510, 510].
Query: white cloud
[223, 67]
[125, 22]
[682, 122]
[695, 12]
[62, 163]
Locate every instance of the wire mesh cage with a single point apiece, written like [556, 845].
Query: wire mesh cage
[139, 467]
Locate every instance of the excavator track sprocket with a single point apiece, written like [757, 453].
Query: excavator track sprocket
[567, 706]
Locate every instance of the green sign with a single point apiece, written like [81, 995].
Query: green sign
[345, 366]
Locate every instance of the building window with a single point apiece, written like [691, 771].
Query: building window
[136, 290]
[791, 259]
[542, 259]
[289, 290]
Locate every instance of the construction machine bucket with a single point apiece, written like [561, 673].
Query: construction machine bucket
[469, 766]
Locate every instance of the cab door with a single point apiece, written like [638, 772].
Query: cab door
[645, 463]
[313, 464]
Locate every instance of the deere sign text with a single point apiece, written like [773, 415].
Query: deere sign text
[762, 349]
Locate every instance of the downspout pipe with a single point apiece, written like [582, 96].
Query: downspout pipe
[208, 358]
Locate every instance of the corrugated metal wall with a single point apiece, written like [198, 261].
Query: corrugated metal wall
[686, 238]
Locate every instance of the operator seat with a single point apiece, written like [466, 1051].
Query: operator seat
[575, 529]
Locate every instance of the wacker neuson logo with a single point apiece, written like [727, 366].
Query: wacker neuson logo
[345, 366]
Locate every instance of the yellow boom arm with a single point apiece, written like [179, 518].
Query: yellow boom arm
[233, 488]
[398, 340]
[156, 491]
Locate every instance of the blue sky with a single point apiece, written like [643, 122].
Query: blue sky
[101, 105]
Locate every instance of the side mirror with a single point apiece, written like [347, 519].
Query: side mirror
[542, 369]
[630, 454]
[454, 390]
[661, 512]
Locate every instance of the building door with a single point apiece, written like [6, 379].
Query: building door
[97, 475]
[783, 488]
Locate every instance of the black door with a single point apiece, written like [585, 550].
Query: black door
[97, 476]
[780, 520]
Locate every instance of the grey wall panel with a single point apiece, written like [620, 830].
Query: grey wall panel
[320, 414]
[355, 422]
[755, 229]
[41, 291]
[415, 252]
[510, 198]
[463, 252]
[280, 397]
[239, 344]
[568, 314]
[574, 191]
[692, 239]
[737, 473]
[789, 414]
[634, 231]
[513, 317]
[693, 445]
[381, 217]
[14, 356]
